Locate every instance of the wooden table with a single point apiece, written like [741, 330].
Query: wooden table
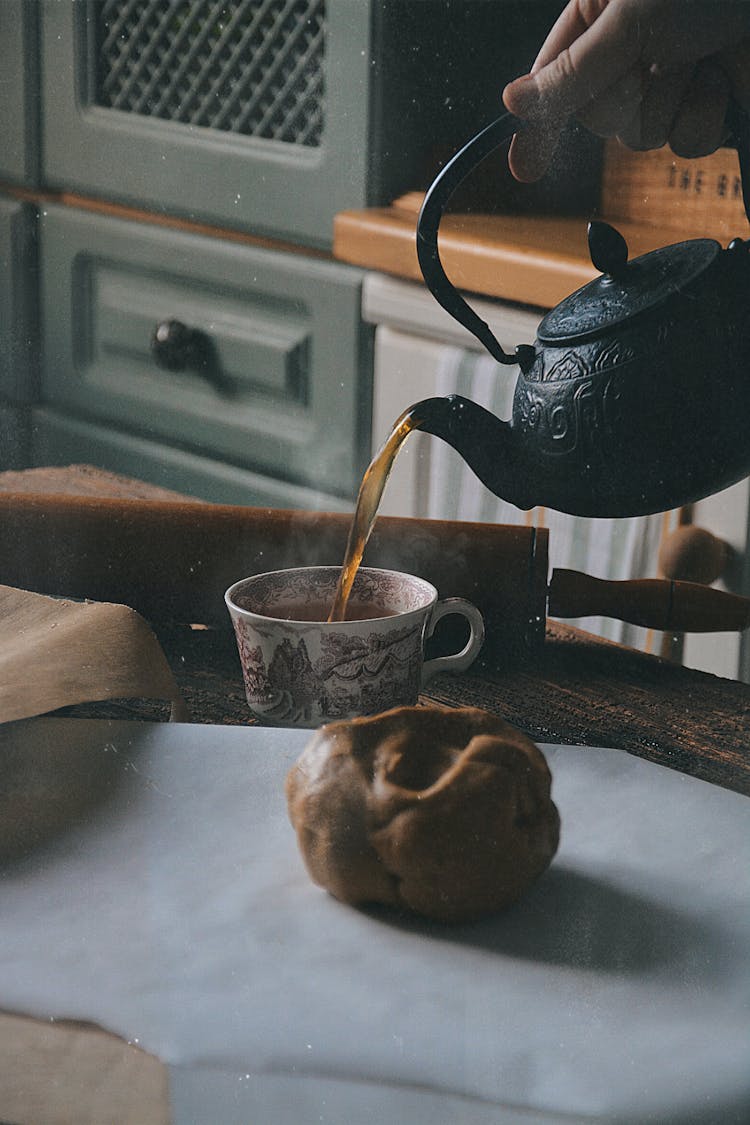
[577, 690]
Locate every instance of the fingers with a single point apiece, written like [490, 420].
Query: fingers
[531, 150]
[576, 18]
[662, 93]
[621, 103]
[580, 71]
[574, 66]
[699, 124]
[685, 107]
[648, 71]
[735, 62]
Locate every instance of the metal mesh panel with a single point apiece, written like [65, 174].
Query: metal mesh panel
[253, 67]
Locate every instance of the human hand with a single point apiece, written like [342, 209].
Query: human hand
[646, 71]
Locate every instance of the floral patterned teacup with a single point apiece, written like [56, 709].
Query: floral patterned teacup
[302, 672]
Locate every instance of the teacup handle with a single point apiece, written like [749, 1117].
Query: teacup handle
[457, 661]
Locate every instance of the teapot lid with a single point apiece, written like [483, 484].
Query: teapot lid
[625, 288]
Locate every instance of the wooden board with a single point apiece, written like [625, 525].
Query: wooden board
[84, 480]
[528, 259]
[580, 690]
[60, 1073]
[699, 198]
[173, 560]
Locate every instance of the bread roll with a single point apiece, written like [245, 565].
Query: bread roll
[446, 813]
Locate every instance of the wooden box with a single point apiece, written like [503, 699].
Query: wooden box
[700, 198]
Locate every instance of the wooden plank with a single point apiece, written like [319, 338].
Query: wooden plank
[56, 1073]
[172, 561]
[579, 689]
[528, 259]
[700, 198]
[83, 480]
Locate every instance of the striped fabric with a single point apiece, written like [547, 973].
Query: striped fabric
[605, 548]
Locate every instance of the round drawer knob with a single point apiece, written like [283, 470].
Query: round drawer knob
[174, 346]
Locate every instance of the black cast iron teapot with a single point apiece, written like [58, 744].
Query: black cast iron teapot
[635, 397]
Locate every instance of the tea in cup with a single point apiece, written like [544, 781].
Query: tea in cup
[301, 670]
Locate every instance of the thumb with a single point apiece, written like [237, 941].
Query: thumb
[578, 73]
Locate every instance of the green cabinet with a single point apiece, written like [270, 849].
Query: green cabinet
[272, 116]
[254, 114]
[285, 392]
[233, 133]
[21, 96]
[58, 438]
[18, 333]
[18, 301]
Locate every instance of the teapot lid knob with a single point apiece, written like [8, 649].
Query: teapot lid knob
[627, 288]
[607, 248]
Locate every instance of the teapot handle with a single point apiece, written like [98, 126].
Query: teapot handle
[431, 212]
[456, 171]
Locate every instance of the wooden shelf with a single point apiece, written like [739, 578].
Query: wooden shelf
[528, 259]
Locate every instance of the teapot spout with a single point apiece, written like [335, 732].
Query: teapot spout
[487, 444]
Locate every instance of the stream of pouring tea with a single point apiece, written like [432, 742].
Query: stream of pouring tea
[368, 502]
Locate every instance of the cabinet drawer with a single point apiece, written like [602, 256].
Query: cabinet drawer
[14, 437]
[18, 301]
[280, 382]
[58, 439]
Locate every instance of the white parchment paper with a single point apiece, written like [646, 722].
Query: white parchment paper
[180, 915]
